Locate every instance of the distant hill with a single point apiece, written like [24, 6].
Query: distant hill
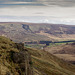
[17, 60]
[20, 31]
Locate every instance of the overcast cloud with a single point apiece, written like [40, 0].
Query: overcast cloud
[47, 11]
[45, 2]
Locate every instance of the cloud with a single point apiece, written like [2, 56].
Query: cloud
[54, 11]
[51, 14]
[63, 3]
[37, 19]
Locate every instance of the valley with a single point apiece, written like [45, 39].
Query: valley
[37, 37]
[44, 49]
[63, 51]
[15, 59]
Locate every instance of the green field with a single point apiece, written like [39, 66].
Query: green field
[38, 46]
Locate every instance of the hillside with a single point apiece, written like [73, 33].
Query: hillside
[17, 60]
[21, 32]
[64, 51]
[14, 59]
[45, 63]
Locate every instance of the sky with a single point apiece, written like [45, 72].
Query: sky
[38, 11]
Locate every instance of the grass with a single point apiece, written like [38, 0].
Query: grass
[58, 44]
[37, 46]
[40, 46]
[43, 63]
[47, 64]
[63, 51]
[6, 47]
[7, 64]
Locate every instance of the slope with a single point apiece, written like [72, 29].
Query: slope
[14, 59]
[17, 60]
[21, 32]
[64, 51]
[45, 63]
